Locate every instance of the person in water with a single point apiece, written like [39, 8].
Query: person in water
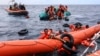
[44, 34]
[59, 32]
[78, 27]
[85, 27]
[51, 12]
[60, 12]
[65, 31]
[98, 22]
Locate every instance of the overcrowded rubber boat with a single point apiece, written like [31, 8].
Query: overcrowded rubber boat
[52, 13]
[44, 15]
[65, 42]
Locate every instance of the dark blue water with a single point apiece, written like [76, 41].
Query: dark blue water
[10, 25]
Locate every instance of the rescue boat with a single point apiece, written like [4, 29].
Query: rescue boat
[24, 47]
[18, 12]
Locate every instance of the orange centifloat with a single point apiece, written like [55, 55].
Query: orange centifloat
[24, 47]
[81, 35]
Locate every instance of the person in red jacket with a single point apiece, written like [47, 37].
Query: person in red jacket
[45, 34]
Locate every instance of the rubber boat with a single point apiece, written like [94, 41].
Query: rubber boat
[44, 15]
[24, 47]
[19, 12]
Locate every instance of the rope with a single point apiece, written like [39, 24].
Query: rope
[96, 46]
[96, 36]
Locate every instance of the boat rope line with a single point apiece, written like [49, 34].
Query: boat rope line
[96, 36]
[96, 46]
[47, 45]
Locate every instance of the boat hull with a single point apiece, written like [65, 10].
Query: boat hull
[19, 12]
[24, 47]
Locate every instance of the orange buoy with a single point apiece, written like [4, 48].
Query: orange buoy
[22, 47]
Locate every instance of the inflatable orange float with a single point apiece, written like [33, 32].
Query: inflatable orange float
[24, 47]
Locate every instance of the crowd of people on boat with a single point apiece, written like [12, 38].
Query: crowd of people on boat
[47, 33]
[52, 12]
[16, 7]
[50, 33]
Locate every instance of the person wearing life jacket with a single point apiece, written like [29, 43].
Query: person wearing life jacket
[66, 8]
[10, 7]
[87, 42]
[22, 7]
[78, 27]
[51, 12]
[15, 7]
[85, 27]
[72, 27]
[59, 33]
[44, 34]
[51, 33]
[63, 52]
[65, 31]
[60, 12]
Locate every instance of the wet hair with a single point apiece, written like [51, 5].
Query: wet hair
[52, 6]
[10, 7]
[46, 10]
[98, 22]
[65, 30]
[60, 31]
[87, 26]
[15, 4]
[78, 24]
[51, 29]
[66, 6]
[45, 29]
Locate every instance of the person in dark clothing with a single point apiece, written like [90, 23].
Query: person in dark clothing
[98, 22]
[22, 7]
[10, 8]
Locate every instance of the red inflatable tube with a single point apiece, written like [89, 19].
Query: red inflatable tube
[24, 47]
[81, 35]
